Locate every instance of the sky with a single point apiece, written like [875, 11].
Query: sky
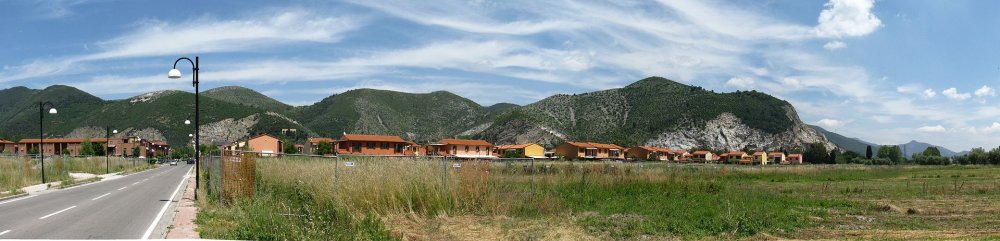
[883, 71]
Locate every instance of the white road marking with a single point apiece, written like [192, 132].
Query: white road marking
[135, 183]
[122, 188]
[4, 232]
[95, 199]
[50, 215]
[170, 199]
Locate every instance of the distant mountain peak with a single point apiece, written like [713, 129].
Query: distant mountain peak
[151, 96]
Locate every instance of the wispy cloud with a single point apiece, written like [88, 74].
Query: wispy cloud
[157, 38]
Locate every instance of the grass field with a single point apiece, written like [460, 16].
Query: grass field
[379, 198]
[20, 172]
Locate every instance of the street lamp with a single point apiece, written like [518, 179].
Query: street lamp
[107, 144]
[176, 74]
[41, 132]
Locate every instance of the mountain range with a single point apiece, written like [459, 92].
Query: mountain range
[859, 146]
[653, 111]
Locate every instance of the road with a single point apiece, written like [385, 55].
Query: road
[122, 208]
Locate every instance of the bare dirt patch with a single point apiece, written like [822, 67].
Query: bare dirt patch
[484, 228]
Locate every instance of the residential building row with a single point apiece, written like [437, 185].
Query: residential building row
[381, 145]
[126, 146]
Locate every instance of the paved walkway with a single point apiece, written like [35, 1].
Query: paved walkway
[183, 226]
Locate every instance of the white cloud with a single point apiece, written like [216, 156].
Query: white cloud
[831, 123]
[995, 128]
[929, 93]
[952, 93]
[156, 38]
[847, 18]
[985, 91]
[834, 45]
[741, 82]
[791, 83]
[882, 119]
[937, 128]
[908, 89]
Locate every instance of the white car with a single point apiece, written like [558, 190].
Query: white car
[173, 163]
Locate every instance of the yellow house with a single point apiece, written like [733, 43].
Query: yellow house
[702, 156]
[760, 158]
[735, 156]
[531, 150]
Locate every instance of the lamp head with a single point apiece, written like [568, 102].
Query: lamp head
[187, 122]
[115, 132]
[53, 111]
[174, 74]
[190, 135]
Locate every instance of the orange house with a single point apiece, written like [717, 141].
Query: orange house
[589, 150]
[702, 156]
[372, 145]
[312, 144]
[7, 147]
[56, 146]
[650, 153]
[265, 145]
[472, 149]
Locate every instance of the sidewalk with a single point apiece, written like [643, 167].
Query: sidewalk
[182, 225]
[39, 188]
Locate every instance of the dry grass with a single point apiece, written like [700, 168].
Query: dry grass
[18, 172]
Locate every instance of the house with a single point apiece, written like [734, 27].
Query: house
[312, 144]
[794, 158]
[7, 147]
[412, 149]
[682, 156]
[650, 153]
[777, 158]
[702, 156]
[265, 145]
[469, 149]
[372, 145]
[746, 160]
[759, 158]
[589, 150]
[56, 146]
[530, 150]
[735, 156]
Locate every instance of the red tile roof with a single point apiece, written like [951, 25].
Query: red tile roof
[63, 140]
[773, 154]
[594, 145]
[360, 137]
[701, 152]
[794, 155]
[759, 153]
[2, 141]
[319, 139]
[515, 146]
[464, 142]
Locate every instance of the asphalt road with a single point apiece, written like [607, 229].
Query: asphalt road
[122, 208]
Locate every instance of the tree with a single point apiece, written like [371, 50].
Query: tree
[98, 149]
[932, 151]
[816, 154]
[892, 153]
[86, 148]
[289, 147]
[833, 157]
[868, 152]
[323, 148]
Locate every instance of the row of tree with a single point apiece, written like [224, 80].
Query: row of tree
[887, 155]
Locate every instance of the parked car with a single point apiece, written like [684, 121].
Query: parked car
[190, 161]
[173, 162]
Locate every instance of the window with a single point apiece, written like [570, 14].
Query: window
[477, 149]
[454, 149]
[357, 147]
[466, 148]
[385, 145]
[371, 145]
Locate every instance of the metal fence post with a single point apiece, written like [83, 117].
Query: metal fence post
[444, 174]
[532, 177]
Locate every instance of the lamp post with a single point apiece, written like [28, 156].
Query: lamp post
[176, 74]
[107, 144]
[41, 132]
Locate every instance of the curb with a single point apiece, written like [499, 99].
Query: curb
[78, 183]
[13, 197]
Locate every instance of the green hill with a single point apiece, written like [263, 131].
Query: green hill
[421, 117]
[244, 96]
[638, 112]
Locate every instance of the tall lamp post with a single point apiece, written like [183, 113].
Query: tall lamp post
[107, 144]
[41, 132]
[176, 74]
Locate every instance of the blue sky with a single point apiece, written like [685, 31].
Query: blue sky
[883, 71]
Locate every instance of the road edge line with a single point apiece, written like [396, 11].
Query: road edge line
[149, 231]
